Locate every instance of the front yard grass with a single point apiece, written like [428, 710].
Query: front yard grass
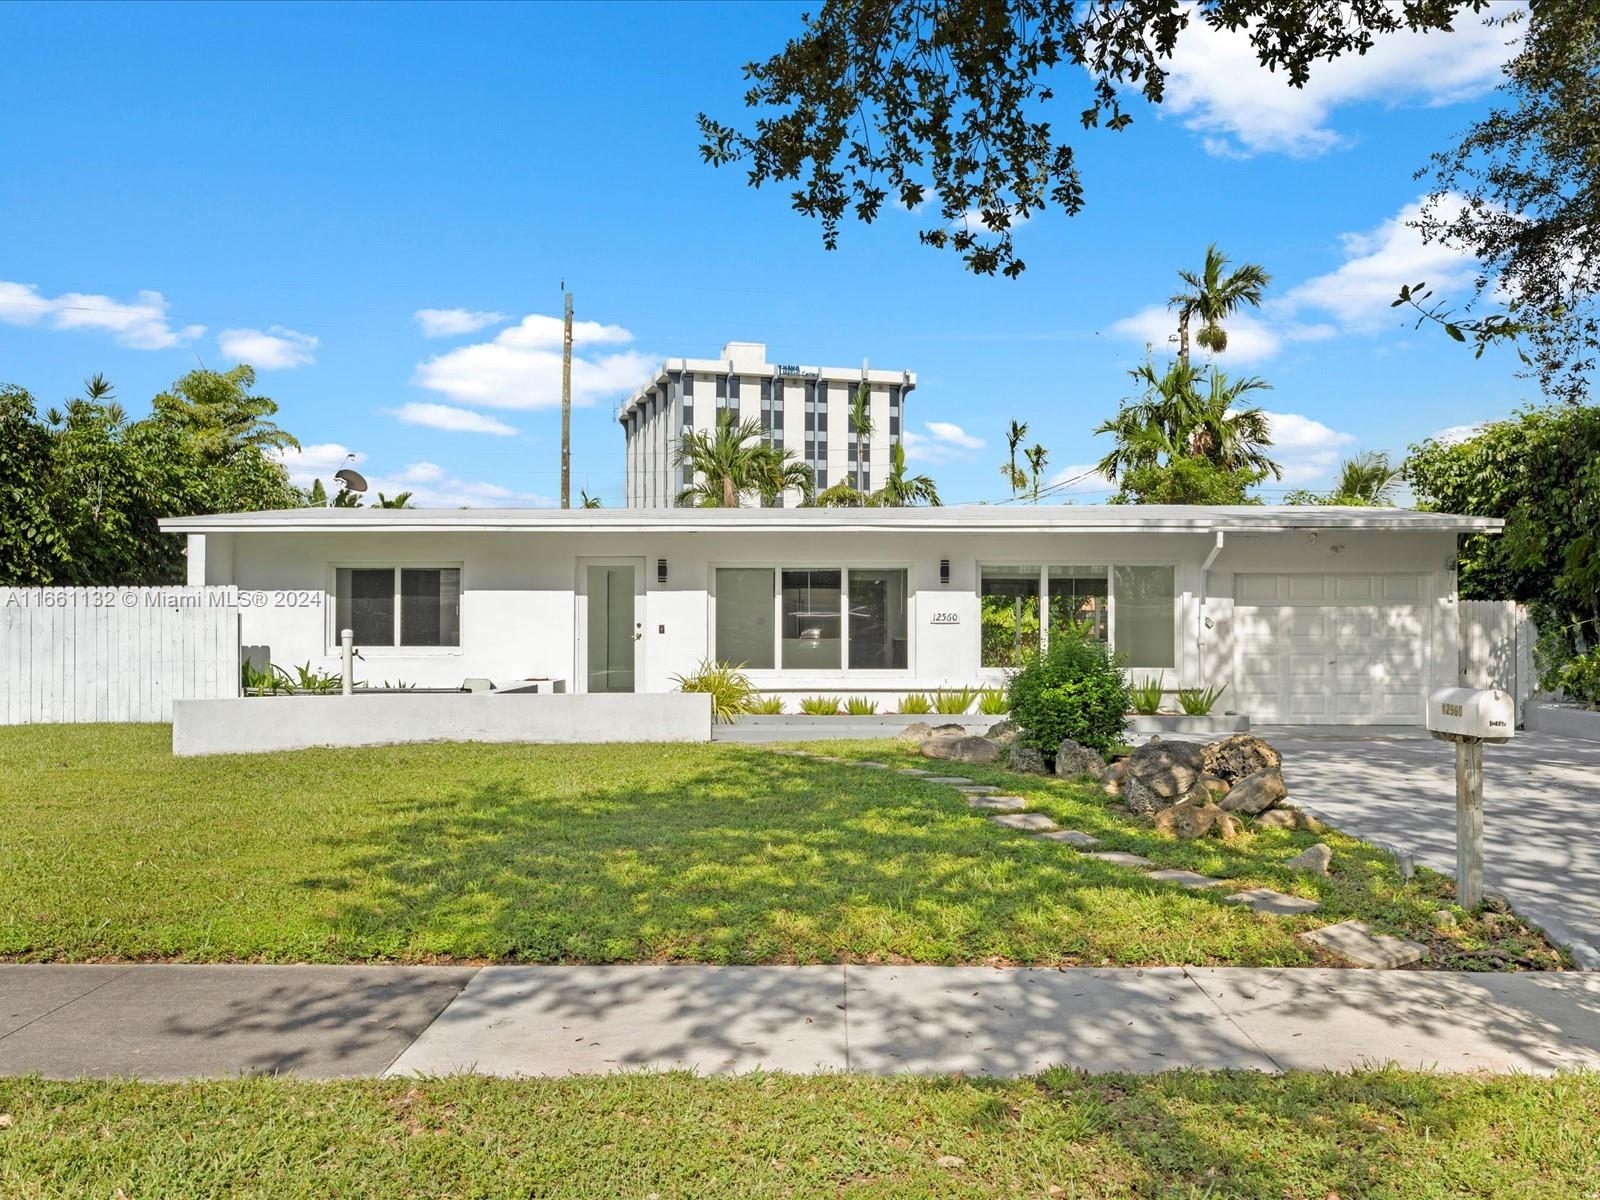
[1384, 1135]
[114, 849]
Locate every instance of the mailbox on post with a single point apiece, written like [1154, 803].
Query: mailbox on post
[1470, 717]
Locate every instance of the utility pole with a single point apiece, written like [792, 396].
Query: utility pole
[566, 403]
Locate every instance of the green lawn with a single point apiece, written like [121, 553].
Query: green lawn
[112, 848]
[1373, 1135]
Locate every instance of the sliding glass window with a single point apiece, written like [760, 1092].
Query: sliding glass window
[811, 620]
[744, 617]
[1009, 600]
[1145, 630]
[878, 620]
[1079, 596]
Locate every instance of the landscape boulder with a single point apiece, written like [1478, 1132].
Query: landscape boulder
[1256, 792]
[1315, 860]
[917, 731]
[1214, 785]
[949, 729]
[1286, 816]
[1239, 755]
[1169, 769]
[1137, 798]
[1192, 819]
[1026, 760]
[961, 749]
[1004, 732]
[1078, 762]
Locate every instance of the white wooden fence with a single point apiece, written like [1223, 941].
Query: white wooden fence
[1497, 639]
[114, 654]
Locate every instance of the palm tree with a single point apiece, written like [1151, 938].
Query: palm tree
[218, 412]
[1014, 436]
[1232, 437]
[1212, 297]
[1367, 479]
[588, 501]
[1172, 420]
[843, 494]
[733, 461]
[861, 424]
[902, 491]
[401, 500]
[1036, 455]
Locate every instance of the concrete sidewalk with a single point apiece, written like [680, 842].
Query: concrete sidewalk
[174, 1022]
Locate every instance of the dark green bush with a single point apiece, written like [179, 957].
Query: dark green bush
[1072, 690]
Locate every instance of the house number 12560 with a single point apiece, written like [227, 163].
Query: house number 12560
[946, 618]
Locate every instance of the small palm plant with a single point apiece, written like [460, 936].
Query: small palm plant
[728, 686]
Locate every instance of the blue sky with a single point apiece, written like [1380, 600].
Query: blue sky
[292, 185]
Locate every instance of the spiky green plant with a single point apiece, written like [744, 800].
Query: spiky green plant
[992, 702]
[1197, 702]
[728, 686]
[767, 706]
[951, 702]
[1146, 695]
[860, 706]
[820, 706]
[916, 704]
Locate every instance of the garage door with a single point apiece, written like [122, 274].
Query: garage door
[1346, 649]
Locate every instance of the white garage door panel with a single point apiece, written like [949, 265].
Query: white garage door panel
[1331, 649]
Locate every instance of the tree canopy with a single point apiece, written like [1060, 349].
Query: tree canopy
[82, 487]
[955, 101]
[732, 463]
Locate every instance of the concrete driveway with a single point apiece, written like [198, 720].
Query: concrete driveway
[1541, 812]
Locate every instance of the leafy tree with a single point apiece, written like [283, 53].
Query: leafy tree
[217, 412]
[318, 496]
[1540, 472]
[734, 462]
[1520, 192]
[1015, 433]
[900, 490]
[1365, 481]
[1037, 456]
[1188, 480]
[881, 99]
[31, 542]
[1211, 297]
[1173, 419]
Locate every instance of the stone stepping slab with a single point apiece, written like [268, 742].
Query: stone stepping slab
[1122, 858]
[1365, 946]
[1030, 822]
[1265, 900]
[912, 771]
[979, 789]
[1072, 837]
[946, 779]
[876, 766]
[1189, 879]
[998, 803]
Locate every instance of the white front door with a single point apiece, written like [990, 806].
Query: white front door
[1331, 649]
[610, 624]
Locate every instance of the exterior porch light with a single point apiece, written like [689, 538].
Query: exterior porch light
[661, 570]
[944, 571]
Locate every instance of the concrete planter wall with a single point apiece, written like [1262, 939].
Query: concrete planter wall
[1180, 724]
[255, 724]
[1564, 720]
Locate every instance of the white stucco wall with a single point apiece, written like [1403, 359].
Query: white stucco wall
[519, 611]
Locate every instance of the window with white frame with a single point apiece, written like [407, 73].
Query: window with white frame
[812, 618]
[398, 606]
[1131, 607]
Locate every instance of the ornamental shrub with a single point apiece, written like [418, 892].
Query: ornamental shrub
[1072, 690]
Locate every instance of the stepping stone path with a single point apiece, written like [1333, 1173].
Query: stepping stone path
[1265, 900]
[1032, 822]
[1072, 837]
[1353, 940]
[1365, 946]
[1122, 858]
[998, 803]
[1189, 879]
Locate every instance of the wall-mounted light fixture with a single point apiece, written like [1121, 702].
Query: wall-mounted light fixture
[944, 571]
[661, 570]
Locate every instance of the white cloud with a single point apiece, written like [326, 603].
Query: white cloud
[1359, 294]
[1218, 87]
[451, 420]
[1455, 434]
[521, 367]
[1080, 479]
[430, 485]
[941, 442]
[974, 221]
[272, 349]
[1306, 449]
[450, 322]
[140, 323]
[1250, 339]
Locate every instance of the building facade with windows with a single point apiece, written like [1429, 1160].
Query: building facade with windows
[801, 408]
[1315, 615]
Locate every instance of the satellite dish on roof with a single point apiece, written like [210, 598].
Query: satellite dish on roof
[351, 481]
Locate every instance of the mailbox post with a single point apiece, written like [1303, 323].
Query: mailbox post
[1469, 718]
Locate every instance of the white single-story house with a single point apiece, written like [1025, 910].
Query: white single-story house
[1309, 615]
